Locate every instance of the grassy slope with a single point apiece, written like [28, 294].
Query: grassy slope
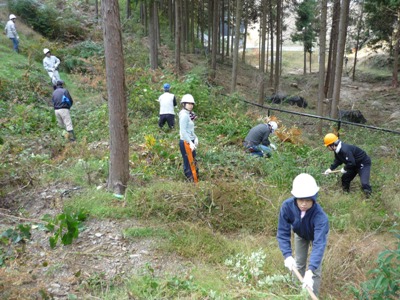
[238, 196]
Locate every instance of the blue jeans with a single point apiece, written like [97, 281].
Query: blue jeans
[15, 44]
[260, 150]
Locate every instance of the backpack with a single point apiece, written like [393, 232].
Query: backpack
[66, 100]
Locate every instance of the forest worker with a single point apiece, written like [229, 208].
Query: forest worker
[188, 139]
[257, 140]
[355, 161]
[62, 102]
[167, 103]
[302, 214]
[11, 31]
[51, 64]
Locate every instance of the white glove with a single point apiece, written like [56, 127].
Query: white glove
[192, 146]
[290, 263]
[327, 172]
[17, 37]
[343, 171]
[196, 142]
[308, 280]
[272, 146]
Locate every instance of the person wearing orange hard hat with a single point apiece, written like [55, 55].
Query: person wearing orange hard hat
[355, 160]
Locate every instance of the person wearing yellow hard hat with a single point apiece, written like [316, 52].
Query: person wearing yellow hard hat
[355, 160]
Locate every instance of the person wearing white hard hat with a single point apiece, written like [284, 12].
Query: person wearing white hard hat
[11, 31]
[306, 218]
[188, 139]
[51, 64]
[257, 140]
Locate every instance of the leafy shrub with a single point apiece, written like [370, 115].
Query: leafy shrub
[385, 281]
[51, 22]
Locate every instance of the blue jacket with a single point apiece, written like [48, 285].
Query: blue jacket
[314, 226]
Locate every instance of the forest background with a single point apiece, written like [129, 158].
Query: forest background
[70, 232]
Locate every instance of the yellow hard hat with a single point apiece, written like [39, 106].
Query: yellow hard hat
[329, 139]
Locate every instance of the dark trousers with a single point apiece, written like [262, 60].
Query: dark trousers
[186, 166]
[169, 118]
[364, 172]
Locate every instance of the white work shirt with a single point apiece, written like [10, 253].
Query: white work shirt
[167, 103]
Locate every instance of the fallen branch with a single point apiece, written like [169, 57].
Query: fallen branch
[23, 219]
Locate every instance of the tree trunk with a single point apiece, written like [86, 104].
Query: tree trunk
[271, 31]
[236, 48]
[153, 45]
[177, 37]
[322, 53]
[246, 23]
[210, 24]
[214, 40]
[96, 8]
[278, 44]
[330, 73]
[228, 34]
[128, 9]
[222, 30]
[344, 13]
[171, 17]
[359, 28]
[261, 66]
[117, 105]
[396, 40]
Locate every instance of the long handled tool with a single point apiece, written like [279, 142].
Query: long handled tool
[192, 163]
[309, 290]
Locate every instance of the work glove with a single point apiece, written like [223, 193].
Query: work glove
[273, 146]
[343, 171]
[196, 142]
[17, 37]
[192, 146]
[290, 263]
[308, 280]
[327, 172]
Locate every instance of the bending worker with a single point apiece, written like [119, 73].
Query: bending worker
[257, 140]
[302, 214]
[355, 161]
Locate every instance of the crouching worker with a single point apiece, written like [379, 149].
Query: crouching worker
[302, 214]
[355, 161]
[257, 140]
[62, 102]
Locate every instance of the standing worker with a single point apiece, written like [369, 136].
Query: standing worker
[356, 162]
[302, 214]
[51, 64]
[167, 104]
[257, 140]
[188, 139]
[62, 102]
[11, 31]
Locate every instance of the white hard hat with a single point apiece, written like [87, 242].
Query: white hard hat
[304, 186]
[45, 51]
[274, 125]
[187, 99]
[12, 17]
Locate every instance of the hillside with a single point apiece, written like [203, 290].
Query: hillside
[169, 239]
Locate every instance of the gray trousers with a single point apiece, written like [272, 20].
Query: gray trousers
[301, 249]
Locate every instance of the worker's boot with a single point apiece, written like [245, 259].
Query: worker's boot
[71, 136]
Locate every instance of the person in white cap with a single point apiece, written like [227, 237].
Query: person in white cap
[11, 31]
[51, 64]
[306, 218]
